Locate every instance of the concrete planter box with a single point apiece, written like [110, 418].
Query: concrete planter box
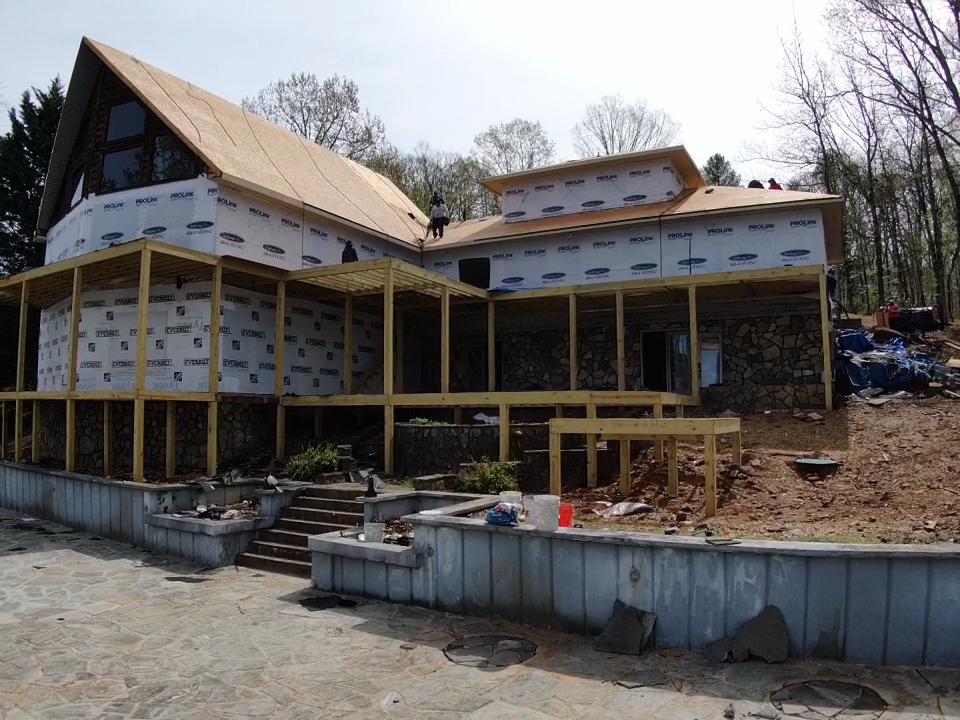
[213, 543]
[396, 505]
[871, 604]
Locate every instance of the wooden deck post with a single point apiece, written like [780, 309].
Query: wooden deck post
[388, 331]
[591, 450]
[35, 434]
[658, 444]
[491, 346]
[5, 432]
[213, 379]
[504, 433]
[445, 339]
[171, 440]
[107, 438]
[574, 363]
[21, 357]
[710, 474]
[625, 466]
[827, 345]
[213, 425]
[18, 431]
[348, 345]
[621, 345]
[694, 344]
[399, 363]
[279, 350]
[556, 483]
[388, 429]
[673, 469]
[70, 459]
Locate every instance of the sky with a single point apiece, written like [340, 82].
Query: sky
[443, 71]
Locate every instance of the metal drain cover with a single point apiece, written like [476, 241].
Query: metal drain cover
[485, 651]
[829, 700]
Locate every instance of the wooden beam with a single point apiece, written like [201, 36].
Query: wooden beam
[348, 345]
[591, 450]
[710, 474]
[280, 451]
[388, 328]
[107, 438]
[673, 469]
[445, 340]
[504, 433]
[18, 431]
[645, 426]
[574, 363]
[491, 347]
[35, 433]
[625, 466]
[171, 440]
[621, 345]
[216, 305]
[399, 363]
[388, 429]
[658, 445]
[533, 398]
[143, 316]
[825, 325]
[694, 343]
[139, 435]
[556, 484]
[213, 448]
[22, 335]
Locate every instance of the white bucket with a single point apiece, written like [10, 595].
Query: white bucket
[547, 512]
[373, 532]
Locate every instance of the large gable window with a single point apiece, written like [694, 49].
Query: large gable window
[126, 120]
[121, 169]
[172, 161]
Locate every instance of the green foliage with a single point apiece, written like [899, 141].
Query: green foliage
[719, 171]
[313, 461]
[489, 478]
[424, 421]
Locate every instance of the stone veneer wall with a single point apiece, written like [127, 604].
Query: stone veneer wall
[243, 429]
[768, 363]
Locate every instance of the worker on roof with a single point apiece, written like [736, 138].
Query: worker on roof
[439, 214]
[774, 185]
[349, 253]
[756, 185]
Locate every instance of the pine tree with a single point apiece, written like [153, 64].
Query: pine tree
[719, 171]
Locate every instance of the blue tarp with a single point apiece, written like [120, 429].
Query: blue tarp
[862, 363]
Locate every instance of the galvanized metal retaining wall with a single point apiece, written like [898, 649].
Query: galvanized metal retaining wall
[880, 605]
[117, 510]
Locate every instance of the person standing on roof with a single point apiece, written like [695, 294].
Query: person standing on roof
[774, 185]
[349, 253]
[756, 185]
[439, 215]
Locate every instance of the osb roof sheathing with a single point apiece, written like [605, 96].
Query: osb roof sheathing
[253, 154]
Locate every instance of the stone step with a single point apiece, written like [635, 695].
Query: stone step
[307, 527]
[320, 503]
[279, 550]
[274, 564]
[284, 537]
[335, 493]
[327, 517]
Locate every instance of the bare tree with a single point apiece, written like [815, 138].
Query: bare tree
[514, 146]
[326, 112]
[614, 126]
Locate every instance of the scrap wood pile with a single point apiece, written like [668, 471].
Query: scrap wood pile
[885, 361]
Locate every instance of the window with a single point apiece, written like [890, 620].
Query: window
[77, 184]
[679, 363]
[121, 169]
[126, 120]
[711, 361]
[171, 160]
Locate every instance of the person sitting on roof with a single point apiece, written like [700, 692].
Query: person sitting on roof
[439, 215]
[774, 185]
[349, 253]
[756, 185]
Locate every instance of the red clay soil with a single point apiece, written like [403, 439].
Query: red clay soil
[898, 479]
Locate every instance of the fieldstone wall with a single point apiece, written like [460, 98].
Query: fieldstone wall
[536, 361]
[244, 429]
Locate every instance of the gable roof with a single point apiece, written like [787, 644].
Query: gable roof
[240, 148]
[689, 204]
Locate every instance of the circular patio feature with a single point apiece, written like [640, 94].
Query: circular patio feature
[829, 700]
[490, 651]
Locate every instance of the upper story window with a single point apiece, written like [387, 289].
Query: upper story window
[172, 161]
[126, 120]
[121, 169]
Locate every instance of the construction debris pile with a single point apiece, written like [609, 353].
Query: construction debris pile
[246, 508]
[884, 361]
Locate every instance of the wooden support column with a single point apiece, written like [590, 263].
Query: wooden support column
[574, 364]
[624, 466]
[555, 480]
[445, 340]
[279, 349]
[18, 431]
[694, 344]
[399, 363]
[504, 433]
[388, 429]
[107, 438]
[658, 444]
[35, 433]
[827, 344]
[171, 439]
[70, 459]
[491, 346]
[710, 474]
[213, 424]
[139, 406]
[621, 345]
[591, 450]
[673, 470]
[213, 380]
[6, 434]
[348, 346]
[21, 362]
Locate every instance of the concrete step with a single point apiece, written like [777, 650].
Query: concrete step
[284, 537]
[338, 492]
[279, 550]
[320, 503]
[274, 564]
[327, 517]
[307, 527]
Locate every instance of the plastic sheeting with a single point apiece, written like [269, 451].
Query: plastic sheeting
[890, 366]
